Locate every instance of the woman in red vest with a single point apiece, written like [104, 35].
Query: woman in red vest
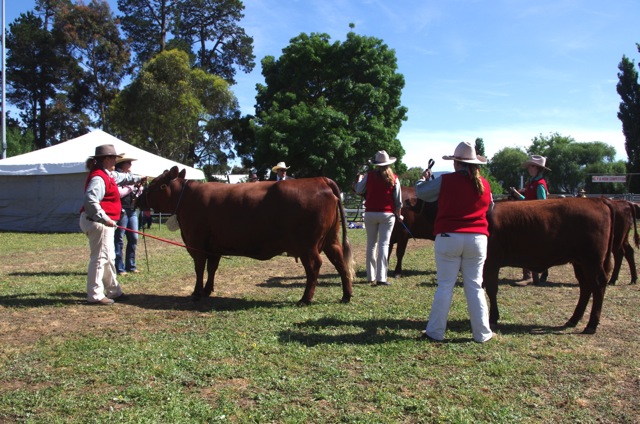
[100, 211]
[535, 189]
[461, 229]
[383, 201]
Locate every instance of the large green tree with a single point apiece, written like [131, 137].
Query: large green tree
[629, 114]
[171, 109]
[328, 107]
[505, 167]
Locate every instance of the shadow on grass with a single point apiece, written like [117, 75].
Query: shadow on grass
[47, 274]
[371, 332]
[144, 301]
[39, 300]
[300, 281]
[189, 303]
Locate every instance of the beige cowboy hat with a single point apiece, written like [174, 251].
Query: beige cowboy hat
[466, 152]
[382, 158]
[280, 165]
[106, 150]
[536, 160]
[125, 158]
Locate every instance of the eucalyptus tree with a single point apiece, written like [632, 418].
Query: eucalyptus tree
[328, 107]
[210, 28]
[93, 38]
[37, 67]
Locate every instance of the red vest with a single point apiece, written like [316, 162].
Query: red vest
[110, 203]
[460, 208]
[379, 194]
[531, 191]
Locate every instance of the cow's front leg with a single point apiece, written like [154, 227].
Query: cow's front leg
[212, 267]
[199, 262]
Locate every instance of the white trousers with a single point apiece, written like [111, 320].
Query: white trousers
[101, 274]
[456, 252]
[379, 226]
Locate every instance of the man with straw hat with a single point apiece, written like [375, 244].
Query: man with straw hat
[281, 171]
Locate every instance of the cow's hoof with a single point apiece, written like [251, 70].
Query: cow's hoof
[345, 299]
[589, 330]
[493, 326]
[397, 275]
[570, 324]
[303, 303]
[632, 283]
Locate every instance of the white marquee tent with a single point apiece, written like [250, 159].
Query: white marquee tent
[41, 191]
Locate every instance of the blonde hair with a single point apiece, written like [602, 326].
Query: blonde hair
[474, 174]
[387, 174]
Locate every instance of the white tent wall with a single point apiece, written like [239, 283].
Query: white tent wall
[41, 203]
[42, 191]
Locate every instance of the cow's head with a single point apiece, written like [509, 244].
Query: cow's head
[162, 193]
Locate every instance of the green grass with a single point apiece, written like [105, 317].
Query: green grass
[248, 354]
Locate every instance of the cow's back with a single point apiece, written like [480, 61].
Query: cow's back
[521, 231]
[261, 220]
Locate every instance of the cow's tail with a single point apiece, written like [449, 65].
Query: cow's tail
[609, 256]
[634, 216]
[347, 254]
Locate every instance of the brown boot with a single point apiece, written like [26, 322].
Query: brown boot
[527, 278]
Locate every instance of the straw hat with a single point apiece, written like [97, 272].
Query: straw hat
[466, 152]
[536, 160]
[106, 150]
[125, 158]
[382, 158]
[280, 165]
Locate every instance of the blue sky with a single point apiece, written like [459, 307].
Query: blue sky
[503, 70]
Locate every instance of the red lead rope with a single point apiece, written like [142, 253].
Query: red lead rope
[162, 239]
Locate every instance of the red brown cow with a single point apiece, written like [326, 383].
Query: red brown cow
[299, 217]
[419, 217]
[539, 235]
[625, 217]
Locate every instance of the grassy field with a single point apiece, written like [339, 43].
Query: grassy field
[248, 354]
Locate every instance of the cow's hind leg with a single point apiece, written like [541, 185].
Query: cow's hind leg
[490, 283]
[312, 263]
[628, 254]
[336, 256]
[599, 286]
[585, 293]
[400, 251]
[212, 267]
[617, 257]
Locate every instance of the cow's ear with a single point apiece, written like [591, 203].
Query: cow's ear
[182, 173]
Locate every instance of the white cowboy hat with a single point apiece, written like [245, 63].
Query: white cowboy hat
[382, 158]
[280, 165]
[466, 152]
[536, 160]
[124, 158]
